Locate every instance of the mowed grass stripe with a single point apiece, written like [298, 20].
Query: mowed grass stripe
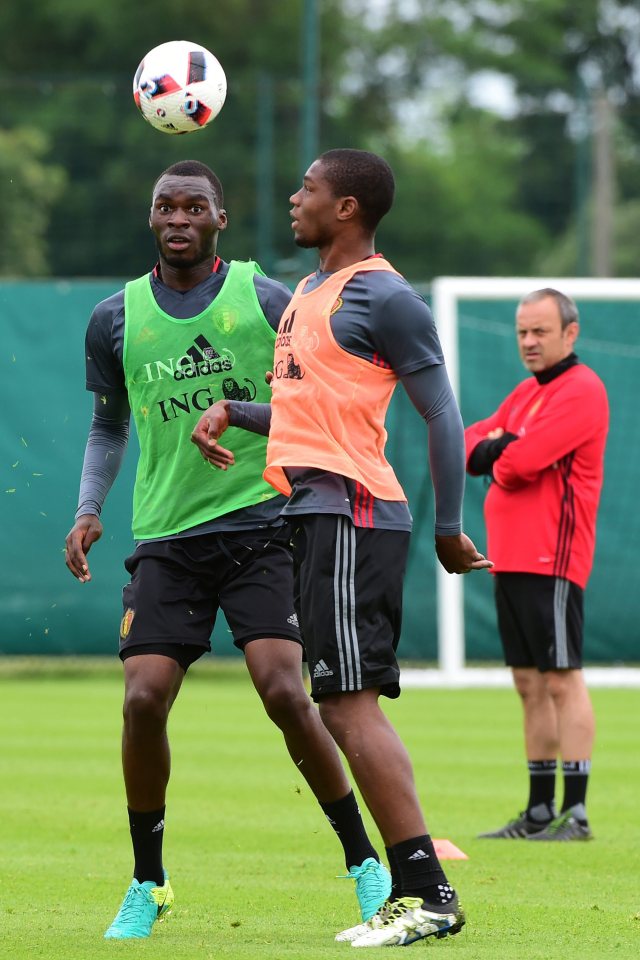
[253, 862]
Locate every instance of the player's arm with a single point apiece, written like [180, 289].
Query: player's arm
[404, 333]
[568, 418]
[430, 392]
[255, 417]
[106, 445]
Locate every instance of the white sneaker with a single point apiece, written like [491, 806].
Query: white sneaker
[374, 923]
[407, 920]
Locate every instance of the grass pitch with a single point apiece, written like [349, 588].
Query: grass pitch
[252, 861]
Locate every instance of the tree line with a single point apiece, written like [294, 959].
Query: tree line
[540, 177]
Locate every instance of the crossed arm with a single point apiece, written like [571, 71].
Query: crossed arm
[564, 421]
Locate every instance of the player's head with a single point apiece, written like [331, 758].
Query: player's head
[547, 326]
[341, 188]
[193, 168]
[363, 175]
[187, 214]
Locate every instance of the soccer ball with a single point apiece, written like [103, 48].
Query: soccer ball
[179, 87]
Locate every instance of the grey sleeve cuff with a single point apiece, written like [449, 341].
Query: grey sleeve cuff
[447, 465]
[430, 392]
[255, 417]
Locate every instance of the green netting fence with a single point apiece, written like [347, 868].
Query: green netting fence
[609, 342]
[45, 417]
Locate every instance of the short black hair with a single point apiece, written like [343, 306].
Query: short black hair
[566, 306]
[193, 168]
[363, 175]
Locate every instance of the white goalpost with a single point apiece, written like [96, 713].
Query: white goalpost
[448, 293]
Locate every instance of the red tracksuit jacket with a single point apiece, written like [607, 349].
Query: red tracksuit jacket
[541, 510]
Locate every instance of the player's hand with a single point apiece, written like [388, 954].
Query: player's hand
[85, 531]
[495, 434]
[458, 554]
[268, 377]
[211, 425]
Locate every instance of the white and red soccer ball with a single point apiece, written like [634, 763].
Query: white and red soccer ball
[179, 87]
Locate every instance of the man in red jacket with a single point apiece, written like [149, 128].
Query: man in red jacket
[543, 449]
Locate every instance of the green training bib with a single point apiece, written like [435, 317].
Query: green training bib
[175, 369]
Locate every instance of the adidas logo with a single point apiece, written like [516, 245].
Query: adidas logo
[293, 620]
[419, 855]
[158, 827]
[321, 670]
[200, 359]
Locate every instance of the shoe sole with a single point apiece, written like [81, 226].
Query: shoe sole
[519, 836]
[440, 934]
[510, 836]
[562, 839]
[451, 931]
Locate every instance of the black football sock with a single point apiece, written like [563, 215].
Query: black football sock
[542, 788]
[147, 832]
[576, 779]
[395, 873]
[420, 873]
[345, 818]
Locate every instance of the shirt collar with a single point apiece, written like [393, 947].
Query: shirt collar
[546, 376]
[214, 269]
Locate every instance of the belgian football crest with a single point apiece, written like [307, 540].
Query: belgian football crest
[127, 620]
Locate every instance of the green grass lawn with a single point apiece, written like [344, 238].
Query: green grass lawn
[253, 862]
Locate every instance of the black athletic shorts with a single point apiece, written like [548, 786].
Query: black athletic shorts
[177, 587]
[540, 621]
[348, 597]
